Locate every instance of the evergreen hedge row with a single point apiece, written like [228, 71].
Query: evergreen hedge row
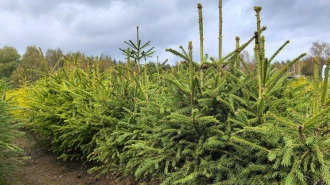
[216, 122]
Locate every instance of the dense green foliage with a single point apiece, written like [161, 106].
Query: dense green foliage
[31, 66]
[8, 130]
[9, 60]
[213, 122]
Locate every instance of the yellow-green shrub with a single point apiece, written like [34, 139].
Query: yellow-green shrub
[301, 81]
[19, 98]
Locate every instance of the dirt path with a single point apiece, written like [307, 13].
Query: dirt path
[42, 168]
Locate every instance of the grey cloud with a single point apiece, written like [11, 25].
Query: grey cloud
[96, 27]
[39, 8]
[302, 22]
[290, 13]
[160, 23]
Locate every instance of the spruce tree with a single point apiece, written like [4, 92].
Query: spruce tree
[8, 131]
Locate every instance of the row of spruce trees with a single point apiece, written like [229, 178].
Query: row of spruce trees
[213, 122]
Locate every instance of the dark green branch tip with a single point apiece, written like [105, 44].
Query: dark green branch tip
[237, 38]
[300, 128]
[256, 37]
[257, 9]
[199, 6]
[287, 42]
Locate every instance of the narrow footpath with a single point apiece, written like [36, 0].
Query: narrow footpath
[37, 166]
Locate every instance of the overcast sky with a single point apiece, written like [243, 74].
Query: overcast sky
[97, 27]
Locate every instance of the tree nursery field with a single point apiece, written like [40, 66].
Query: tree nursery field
[216, 121]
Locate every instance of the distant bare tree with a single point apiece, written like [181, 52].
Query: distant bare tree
[248, 59]
[54, 57]
[320, 50]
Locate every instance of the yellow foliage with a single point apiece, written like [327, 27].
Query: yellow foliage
[301, 81]
[19, 98]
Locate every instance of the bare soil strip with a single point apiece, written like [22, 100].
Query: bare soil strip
[38, 167]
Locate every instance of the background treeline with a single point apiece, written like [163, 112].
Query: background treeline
[33, 62]
[305, 66]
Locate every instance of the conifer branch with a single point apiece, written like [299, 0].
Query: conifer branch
[278, 51]
[228, 56]
[201, 40]
[278, 74]
[220, 30]
[315, 85]
[238, 51]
